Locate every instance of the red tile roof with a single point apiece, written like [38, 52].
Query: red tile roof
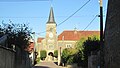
[76, 35]
[39, 40]
[30, 47]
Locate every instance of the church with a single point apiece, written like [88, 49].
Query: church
[67, 39]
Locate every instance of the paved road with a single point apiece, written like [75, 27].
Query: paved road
[47, 65]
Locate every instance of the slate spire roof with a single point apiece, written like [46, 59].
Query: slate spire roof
[51, 16]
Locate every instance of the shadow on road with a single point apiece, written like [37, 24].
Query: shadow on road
[40, 67]
[56, 63]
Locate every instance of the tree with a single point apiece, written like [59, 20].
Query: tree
[65, 55]
[80, 43]
[84, 47]
[79, 47]
[56, 53]
[43, 54]
[92, 44]
[68, 55]
[18, 34]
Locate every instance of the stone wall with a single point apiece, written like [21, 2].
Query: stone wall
[93, 60]
[112, 35]
[14, 59]
[22, 59]
[6, 58]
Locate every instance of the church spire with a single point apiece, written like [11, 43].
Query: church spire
[51, 16]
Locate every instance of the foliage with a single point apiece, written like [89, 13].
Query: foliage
[38, 59]
[83, 49]
[18, 34]
[70, 59]
[43, 54]
[78, 58]
[80, 43]
[56, 53]
[92, 44]
[79, 47]
[68, 55]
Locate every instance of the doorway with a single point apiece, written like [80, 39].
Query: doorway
[51, 56]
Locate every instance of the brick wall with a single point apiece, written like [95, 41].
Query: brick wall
[112, 35]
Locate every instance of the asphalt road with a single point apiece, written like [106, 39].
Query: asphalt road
[47, 65]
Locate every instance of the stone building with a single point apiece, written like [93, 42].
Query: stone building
[67, 39]
[112, 35]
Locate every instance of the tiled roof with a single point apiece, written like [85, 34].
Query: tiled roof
[76, 35]
[39, 40]
[30, 47]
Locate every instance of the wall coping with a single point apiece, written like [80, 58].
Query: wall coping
[7, 48]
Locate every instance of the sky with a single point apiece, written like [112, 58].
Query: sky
[36, 13]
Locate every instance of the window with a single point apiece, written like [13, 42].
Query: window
[68, 45]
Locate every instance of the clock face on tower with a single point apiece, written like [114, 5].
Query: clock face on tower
[51, 35]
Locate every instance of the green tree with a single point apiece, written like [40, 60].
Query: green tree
[80, 43]
[79, 47]
[78, 58]
[18, 34]
[92, 44]
[65, 55]
[56, 53]
[68, 55]
[43, 54]
[84, 47]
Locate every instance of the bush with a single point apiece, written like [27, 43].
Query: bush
[38, 59]
[92, 44]
[56, 53]
[43, 54]
[18, 35]
[70, 60]
[68, 55]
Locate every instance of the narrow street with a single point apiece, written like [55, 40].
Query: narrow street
[47, 65]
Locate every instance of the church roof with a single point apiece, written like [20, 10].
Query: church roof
[51, 17]
[72, 35]
[39, 40]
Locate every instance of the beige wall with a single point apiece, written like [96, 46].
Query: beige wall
[64, 44]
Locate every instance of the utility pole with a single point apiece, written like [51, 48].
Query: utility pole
[101, 36]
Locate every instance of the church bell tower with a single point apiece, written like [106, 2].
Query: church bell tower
[51, 36]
